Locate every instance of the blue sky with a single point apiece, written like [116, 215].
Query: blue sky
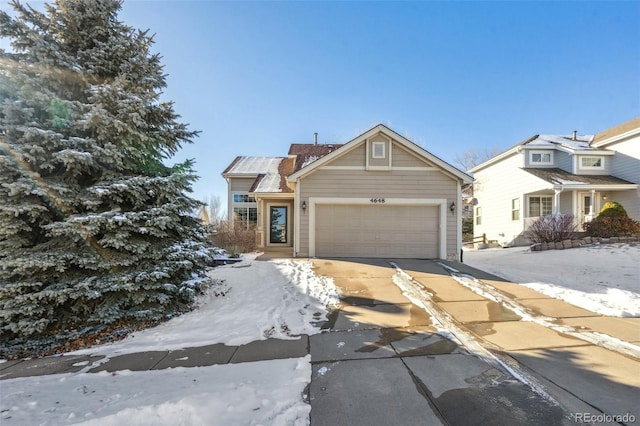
[452, 76]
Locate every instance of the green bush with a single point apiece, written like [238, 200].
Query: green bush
[616, 226]
[612, 209]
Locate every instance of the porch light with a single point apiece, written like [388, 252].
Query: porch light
[304, 205]
[604, 197]
[452, 207]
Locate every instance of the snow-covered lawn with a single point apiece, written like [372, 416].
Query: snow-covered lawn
[601, 278]
[278, 299]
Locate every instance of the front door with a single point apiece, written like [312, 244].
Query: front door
[278, 227]
[588, 207]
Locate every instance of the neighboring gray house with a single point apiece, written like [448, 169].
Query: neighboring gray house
[379, 195]
[544, 174]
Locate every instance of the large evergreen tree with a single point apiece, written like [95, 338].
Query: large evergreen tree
[95, 229]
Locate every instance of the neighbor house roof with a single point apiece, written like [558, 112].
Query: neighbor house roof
[562, 142]
[559, 177]
[612, 134]
[552, 141]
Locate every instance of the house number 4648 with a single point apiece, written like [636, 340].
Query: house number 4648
[377, 200]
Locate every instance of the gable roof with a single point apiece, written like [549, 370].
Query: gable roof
[562, 178]
[613, 134]
[380, 128]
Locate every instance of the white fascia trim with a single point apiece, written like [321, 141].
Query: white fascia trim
[497, 158]
[440, 202]
[509, 152]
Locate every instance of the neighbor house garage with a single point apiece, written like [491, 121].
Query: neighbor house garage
[379, 195]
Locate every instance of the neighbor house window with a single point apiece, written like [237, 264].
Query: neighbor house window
[515, 209]
[541, 158]
[478, 216]
[247, 216]
[243, 198]
[591, 162]
[540, 206]
[378, 149]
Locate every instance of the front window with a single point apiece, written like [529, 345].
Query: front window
[247, 216]
[478, 216]
[591, 162]
[540, 206]
[515, 209]
[541, 158]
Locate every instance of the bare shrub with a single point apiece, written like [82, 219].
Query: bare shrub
[551, 228]
[235, 239]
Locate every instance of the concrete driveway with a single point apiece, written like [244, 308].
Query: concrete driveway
[383, 362]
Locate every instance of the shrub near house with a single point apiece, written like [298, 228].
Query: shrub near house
[551, 228]
[612, 221]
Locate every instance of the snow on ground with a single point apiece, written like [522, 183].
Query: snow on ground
[254, 393]
[277, 299]
[600, 278]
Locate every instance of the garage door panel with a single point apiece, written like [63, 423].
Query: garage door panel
[377, 231]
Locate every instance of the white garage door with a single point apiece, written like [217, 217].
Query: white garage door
[377, 231]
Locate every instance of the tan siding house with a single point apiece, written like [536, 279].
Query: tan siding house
[379, 195]
[574, 174]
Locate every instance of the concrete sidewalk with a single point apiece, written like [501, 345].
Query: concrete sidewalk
[158, 360]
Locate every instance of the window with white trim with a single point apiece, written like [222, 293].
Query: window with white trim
[515, 209]
[247, 216]
[540, 206]
[478, 215]
[541, 158]
[243, 197]
[594, 163]
[378, 150]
